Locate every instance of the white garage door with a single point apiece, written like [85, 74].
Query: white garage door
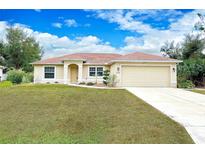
[146, 76]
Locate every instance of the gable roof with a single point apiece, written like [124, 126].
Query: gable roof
[92, 58]
[105, 58]
[139, 56]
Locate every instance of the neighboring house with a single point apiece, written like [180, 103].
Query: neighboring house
[134, 69]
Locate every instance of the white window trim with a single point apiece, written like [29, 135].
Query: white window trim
[95, 72]
[44, 72]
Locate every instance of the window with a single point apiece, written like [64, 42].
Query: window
[49, 72]
[92, 71]
[95, 71]
[99, 71]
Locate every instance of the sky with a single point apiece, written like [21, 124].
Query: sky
[62, 32]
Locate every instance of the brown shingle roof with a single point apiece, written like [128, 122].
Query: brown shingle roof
[103, 58]
[143, 56]
[94, 58]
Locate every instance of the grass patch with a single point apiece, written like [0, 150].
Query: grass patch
[5, 84]
[63, 114]
[199, 91]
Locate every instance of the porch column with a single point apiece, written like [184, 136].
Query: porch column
[65, 72]
[80, 72]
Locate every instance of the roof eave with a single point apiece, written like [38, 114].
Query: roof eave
[96, 64]
[155, 61]
[74, 59]
[46, 63]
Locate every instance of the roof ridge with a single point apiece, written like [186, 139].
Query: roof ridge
[149, 54]
[93, 53]
[141, 53]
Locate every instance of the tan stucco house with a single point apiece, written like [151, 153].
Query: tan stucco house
[134, 69]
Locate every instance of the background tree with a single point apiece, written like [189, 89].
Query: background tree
[192, 70]
[169, 49]
[20, 50]
[193, 46]
[201, 24]
[32, 52]
[2, 54]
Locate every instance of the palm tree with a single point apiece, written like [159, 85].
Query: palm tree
[169, 49]
[193, 46]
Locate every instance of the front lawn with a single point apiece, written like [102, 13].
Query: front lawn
[199, 91]
[63, 114]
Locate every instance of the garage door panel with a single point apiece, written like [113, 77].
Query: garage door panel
[148, 76]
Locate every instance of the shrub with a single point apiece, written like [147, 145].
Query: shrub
[106, 75]
[82, 83]
[90, 84]
[6, 84]
[185, 84]
[192, 69]
[27, 78]
[112, 80]
[15, 76]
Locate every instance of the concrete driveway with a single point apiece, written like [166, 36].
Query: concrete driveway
[185, 107]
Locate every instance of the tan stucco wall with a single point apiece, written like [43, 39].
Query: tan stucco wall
[59, 76]
[39, 74]
[86, 76]
[59, 72]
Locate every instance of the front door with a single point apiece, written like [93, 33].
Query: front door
[73, 73]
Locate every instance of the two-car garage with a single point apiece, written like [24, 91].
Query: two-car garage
[145, 76]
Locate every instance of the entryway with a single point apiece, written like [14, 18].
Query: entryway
[73, 73]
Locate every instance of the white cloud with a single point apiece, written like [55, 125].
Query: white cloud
[71, 23]
[57, 25]
[3, 26]
[56, 46]
[151, 38]
[125, 21]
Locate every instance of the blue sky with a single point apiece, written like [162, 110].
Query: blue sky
[120, 31]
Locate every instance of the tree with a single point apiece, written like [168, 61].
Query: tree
[169, 49]
[193, 46]
[190, 50]
[32, 52]
[201, 24]
[2, 54]
[20, 49]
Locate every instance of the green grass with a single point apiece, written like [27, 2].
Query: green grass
[199, 91]
[5, 84]
[63, 114]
